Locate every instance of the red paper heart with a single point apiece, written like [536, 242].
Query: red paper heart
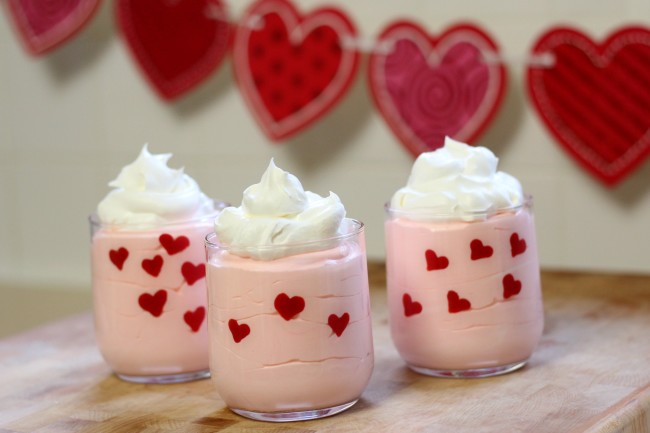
[173, 246]
[411, 307]
[427, 87]
[594, 98]
[153, 303]
[292, 69]
[177, 43]
[517, 246]
[239, 332]
[289, 307]
[44, 25]
[192, 273]
[511, 287]
[195, 318]
[338, 324]
[118, 257]
[456, 303]
[480, 251]
[153, 266]
[435, 263]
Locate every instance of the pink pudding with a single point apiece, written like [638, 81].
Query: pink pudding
[148, 272]
[463, 276]
[464, 295]
[288, 303]
[291, 334]
[150, 299]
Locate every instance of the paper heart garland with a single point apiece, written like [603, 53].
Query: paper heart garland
[292, 69]
[428, 87]
[177, 43]
[45, 24]
[594, 98]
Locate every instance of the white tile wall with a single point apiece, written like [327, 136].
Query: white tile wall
[70, 120]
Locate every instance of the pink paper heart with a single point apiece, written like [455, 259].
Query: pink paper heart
[44, 24]
[427, 87]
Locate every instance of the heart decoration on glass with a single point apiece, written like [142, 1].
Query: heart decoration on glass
[177, 43]
[428, 87]
[594, 98]
[44, 24]
[292, 69]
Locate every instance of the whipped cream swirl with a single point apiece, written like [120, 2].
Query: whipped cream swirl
[147, 193]
[458, 181]
[278, 218]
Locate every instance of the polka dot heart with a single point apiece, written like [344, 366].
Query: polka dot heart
[428, 87]
[44, 24]
[292, 69]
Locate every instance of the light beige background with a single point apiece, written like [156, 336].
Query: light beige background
[71, 119]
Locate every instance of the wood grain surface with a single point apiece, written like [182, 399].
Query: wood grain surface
[591, 373]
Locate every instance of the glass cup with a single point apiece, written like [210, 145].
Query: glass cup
[290, 338]
[150, 300]
[464, 291]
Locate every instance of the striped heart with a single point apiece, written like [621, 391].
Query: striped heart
[594, 97]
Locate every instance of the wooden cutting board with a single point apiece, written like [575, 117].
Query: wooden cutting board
[591, 373]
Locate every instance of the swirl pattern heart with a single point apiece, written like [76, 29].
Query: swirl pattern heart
[292, 69]
[427, 87]
[594, 98]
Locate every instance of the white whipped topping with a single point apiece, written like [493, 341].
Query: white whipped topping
[278, 217]
[147, 192]
[457, 180]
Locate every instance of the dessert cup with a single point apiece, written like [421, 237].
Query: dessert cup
[290, 338]
[464, 290]
[149, 298]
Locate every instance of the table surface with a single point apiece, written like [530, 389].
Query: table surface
[590, 373]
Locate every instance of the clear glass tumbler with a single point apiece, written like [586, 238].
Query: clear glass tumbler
[150, 300]
[463, 291]
[291, 338]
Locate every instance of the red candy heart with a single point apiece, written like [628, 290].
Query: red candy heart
[411, 307]
[192, 273]
[239, 332]
[480, 251]
[43, 25]
[429, 87]
[289, 307]
[435, 263]
[153, 266]
[511, 287]
[118, 257]
[153, 303]
[594, 97]
[456, 303]
[292, 69]
[173, 246]
[177, 43]
[338, 324]
[517, 246]
[195, 318]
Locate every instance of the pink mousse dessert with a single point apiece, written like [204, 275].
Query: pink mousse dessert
[462, 269]
[148, 272]
[289, 314]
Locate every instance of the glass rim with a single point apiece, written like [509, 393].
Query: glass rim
[219, 206]
[356, 229]
[439, 212]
